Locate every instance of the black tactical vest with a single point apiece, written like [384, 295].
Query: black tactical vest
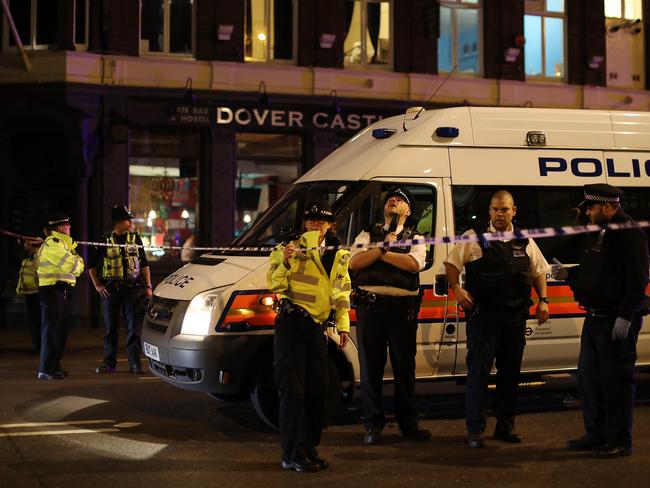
[500, 278]
[380, 273]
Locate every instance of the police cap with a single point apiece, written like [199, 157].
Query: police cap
[601, 193]
[120, 213]
[56, 219]
[402, 193]
[318, 211]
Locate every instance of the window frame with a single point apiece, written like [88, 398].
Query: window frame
[82, 47]
[268, 45]
[364, 43]
[167, 34]
[622, 17]
[455, 6]
[546, 14]
[33, 30]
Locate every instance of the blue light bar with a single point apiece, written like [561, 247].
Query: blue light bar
[447, 132]
[383, 133]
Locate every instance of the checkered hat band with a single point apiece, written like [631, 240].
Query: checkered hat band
[61, 221]
[599, 198]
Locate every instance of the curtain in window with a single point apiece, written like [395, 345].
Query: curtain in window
[374, 17]
[283, 29]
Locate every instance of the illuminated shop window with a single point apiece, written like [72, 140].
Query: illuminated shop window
[368, 33]
[164, 187]
[544, 32]
[459, 42]
[166, 27]
[38, 27]
[267, 165]
[625, 46]
[269, 31]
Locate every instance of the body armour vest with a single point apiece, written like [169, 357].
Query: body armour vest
[380, 273]
[499, 279]
[118, 258]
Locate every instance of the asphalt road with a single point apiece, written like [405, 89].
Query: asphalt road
[122, 430]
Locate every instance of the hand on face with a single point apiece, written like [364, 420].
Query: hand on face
[397, 206]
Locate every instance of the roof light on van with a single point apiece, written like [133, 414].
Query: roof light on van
[383, 133]
[535, 138]
[447, 132]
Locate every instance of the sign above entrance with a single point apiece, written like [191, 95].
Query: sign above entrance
[272, 117]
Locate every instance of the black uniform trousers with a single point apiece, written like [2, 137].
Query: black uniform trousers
[125, 296]
[33, 308]
[606, 380]
[54, 330]
[389, 322]
[301, 376]
[500, 335]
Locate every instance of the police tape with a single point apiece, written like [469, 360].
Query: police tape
[470, 236]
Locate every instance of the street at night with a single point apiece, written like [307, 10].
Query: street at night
[127, 430]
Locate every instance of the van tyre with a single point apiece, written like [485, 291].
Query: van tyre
[265, 399]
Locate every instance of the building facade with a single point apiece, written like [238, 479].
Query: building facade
[198, 114]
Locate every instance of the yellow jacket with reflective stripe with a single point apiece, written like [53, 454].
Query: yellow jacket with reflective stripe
[57, 260]
[27, 277]
[307, 284]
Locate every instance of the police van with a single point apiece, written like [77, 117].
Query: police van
[209, 326]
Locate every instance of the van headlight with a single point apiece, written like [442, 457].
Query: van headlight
[198, 315]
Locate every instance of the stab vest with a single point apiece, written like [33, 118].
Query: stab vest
[116, 257]
[380, 273]
[498, 279]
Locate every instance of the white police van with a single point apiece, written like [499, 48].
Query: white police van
[209, 326]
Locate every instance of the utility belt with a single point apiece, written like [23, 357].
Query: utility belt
[601, 313]
[360, 297]
[126, 283]
[287, 307]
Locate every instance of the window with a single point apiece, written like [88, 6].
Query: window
[368, 27]
[267, 165]
[269, 32]
[163, 187]
[81, 25]
[36, 23]
[544, 32]
[625, 46]
[459, 43]
[166, 26]
[541, 207]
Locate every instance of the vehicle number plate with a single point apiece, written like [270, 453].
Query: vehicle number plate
[151, 351]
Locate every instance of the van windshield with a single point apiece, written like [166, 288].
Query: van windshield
[283, 220]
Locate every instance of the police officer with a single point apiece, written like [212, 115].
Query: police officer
[314, 286]
[28, 288]
[117, 272]
[610, 283]
[497, 299]
[58, 267]
[387, 286]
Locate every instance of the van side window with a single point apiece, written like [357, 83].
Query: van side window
[541, 207]
[367, 209]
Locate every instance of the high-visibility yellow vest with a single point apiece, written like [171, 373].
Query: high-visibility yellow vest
[307, 284]
[27, 277]
[58, 261]
[113, 268]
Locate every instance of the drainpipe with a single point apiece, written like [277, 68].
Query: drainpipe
[19, 44]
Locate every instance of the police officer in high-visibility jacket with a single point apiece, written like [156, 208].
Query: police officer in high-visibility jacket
[28, 288]
[58, 268]
[123, 270]
[314, 287]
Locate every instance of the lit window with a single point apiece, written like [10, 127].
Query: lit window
[544, 32]
[164, 188]
[269, 31]
[37, 26]
[166, 26]
[459, 42]
[368, 27]
[625, 44]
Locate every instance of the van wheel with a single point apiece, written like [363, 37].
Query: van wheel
[266, 401]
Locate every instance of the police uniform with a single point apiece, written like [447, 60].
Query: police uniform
[58, 266]
[387, 301]
[499, 275]
[610, 283]
[314, 288]
[120, 267]
[28, 288]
